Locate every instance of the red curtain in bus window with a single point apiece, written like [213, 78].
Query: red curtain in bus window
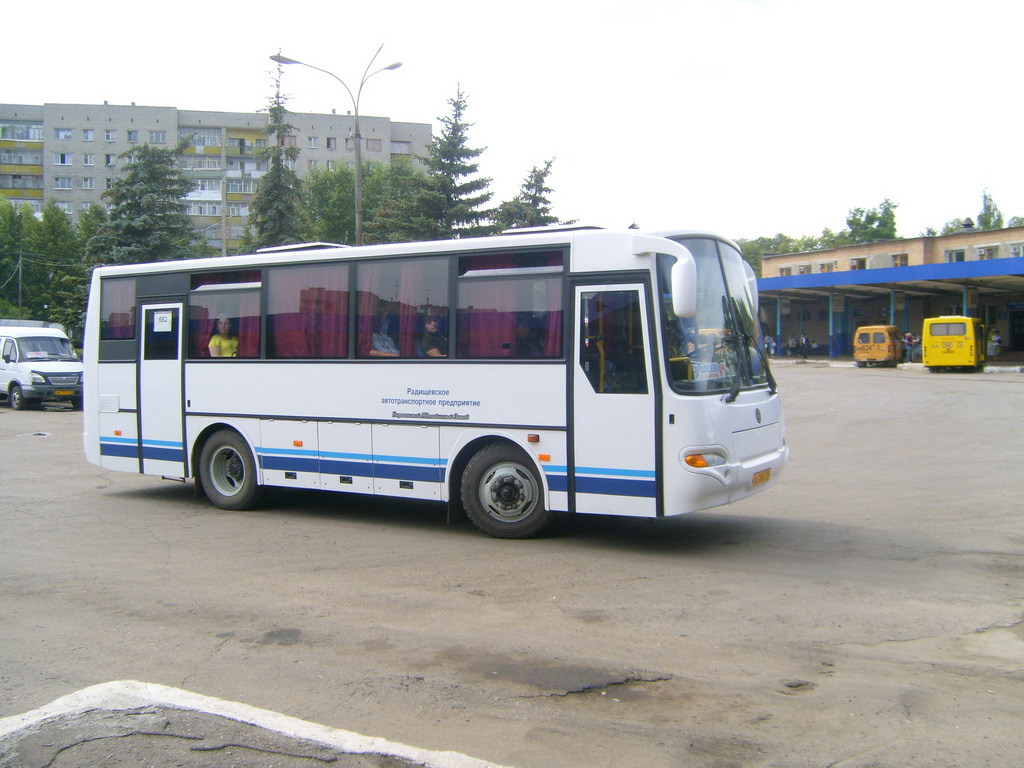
[490, 309]
[249, 325]
[409, 297]
[201, 329]
[369, 302]
[331, 323]
[553, 335]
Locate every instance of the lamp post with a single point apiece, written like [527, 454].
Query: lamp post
[367, 74]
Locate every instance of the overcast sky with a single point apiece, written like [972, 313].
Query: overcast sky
[748, 117]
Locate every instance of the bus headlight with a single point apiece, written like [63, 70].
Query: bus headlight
[38, 378]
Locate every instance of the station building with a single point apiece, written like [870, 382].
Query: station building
[827, 295]
[70, 153]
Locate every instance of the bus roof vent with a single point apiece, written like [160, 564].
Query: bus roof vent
[549, 228]
[301, 247]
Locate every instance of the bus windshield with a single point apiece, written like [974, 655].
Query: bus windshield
[716, 349]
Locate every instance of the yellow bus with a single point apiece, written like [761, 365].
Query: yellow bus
[953, 342]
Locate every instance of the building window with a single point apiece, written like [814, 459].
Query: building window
[241, 186]
[826, 266]
[62, 182]
[900, 259]
[88, 183]
[313, 142]
[312, 165]
[803, 269]
[110, 160]
[88, 134]
[785, 271]
[990, 252]
[88, 159]
[203, 208]
[286, 141]
[65, 207]
[158, 137]
[208, 185]
[401, 147]
[332, 142]
[349, 143]
[18, 156]
[62, 134]
[110, 135]
[20, 131]
[63, 158]
[238, 209]
[261, 143]
[952, 257]
[133, 137]
[858, 263]
[110, 185]
[205, 138]
[330, 165]
[373, 145]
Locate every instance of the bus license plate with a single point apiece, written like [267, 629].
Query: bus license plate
[59, 392]
[760, 477]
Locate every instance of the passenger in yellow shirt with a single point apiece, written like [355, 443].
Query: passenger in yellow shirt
[222, 343]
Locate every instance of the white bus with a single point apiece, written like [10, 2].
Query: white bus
[577, 370]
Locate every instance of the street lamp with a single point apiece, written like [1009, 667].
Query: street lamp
[367, 74]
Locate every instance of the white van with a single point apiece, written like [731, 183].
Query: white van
[38, 363]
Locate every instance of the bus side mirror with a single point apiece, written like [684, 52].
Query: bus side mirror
[752, 287]
[684, 285]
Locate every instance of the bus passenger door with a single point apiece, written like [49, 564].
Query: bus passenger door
[160, 406]
[613, 466]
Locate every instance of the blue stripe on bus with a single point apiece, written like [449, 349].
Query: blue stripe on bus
[609, 472]
[311, 461]
[163, 454]
[606, 486]
[124, 450]
[128, 447]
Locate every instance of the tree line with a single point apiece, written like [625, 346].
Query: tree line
[46, 261]
[870, 225]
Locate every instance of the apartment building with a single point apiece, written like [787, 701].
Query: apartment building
[70, 153]
[826, 295]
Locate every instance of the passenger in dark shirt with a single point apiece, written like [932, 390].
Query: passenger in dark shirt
[433, 344]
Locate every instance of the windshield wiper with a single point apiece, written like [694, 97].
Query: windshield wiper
[732, 312]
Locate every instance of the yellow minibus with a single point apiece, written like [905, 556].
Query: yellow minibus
[953, 342]
[877, 345]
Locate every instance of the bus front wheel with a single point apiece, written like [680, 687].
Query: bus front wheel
[502, 494]
[228, 471]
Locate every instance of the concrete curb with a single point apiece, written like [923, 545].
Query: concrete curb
[123, 695]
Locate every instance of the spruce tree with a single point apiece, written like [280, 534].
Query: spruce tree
[531, 207]
[454, 205]
[275, 213]
[147, 221]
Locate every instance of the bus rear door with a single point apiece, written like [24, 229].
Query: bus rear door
[160, 404]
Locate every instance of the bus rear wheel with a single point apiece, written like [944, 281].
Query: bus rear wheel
[228, 471]
[502, 494]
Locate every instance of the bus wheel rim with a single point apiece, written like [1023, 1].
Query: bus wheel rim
[508, 492]
[227, 471]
